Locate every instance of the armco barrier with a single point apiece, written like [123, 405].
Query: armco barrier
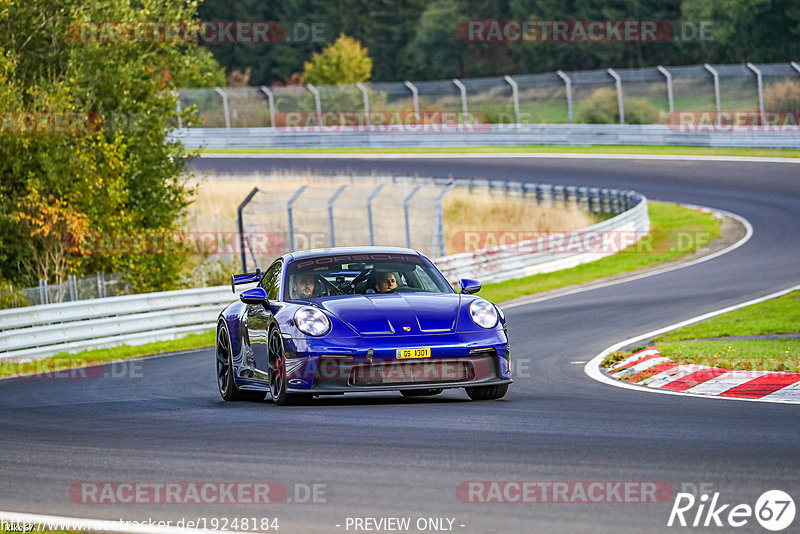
[494, 135]
[40, 331]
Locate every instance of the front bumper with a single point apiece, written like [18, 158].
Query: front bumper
[340, 365]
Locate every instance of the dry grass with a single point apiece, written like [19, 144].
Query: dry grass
[480, 211]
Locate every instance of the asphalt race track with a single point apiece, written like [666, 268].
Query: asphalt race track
[387, 456]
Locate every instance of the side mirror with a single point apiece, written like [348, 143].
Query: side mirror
[468, 286]
[255, 295]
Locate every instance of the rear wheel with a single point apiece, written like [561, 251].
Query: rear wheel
[277, 373]
[227, 386]
[420, 392]
[487, 392]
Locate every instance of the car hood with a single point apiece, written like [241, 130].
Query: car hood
[396, 313]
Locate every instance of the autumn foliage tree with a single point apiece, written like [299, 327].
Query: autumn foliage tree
[116, 170]
[344, 61]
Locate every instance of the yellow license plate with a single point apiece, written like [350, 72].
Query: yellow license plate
[403, 354]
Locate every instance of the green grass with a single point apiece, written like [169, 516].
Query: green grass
[64, 360]
[750, 355]
[529, 149]
[667, 221]
[776, 316]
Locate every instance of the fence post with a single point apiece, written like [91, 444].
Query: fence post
[715, 74]
[369, 213]
[405, 212]
[618, 82]
[760, 82]
[289, 208]
[317, 105]
[218, 240]
[331, 202]
[514, 97]
[568, 84]
[43, 291]
[464, 110]
[438, 232]
[668, 76]
[225, 107]
[415, 98]
[73, 287]
[178, 107]
[271, 100]
[101, 285]
[240, 224]
[364, 92]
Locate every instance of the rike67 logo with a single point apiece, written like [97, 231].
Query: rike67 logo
[774, 510]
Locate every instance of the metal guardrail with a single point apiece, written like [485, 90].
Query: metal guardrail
[482, 135]
[41, 331]
[37, 332]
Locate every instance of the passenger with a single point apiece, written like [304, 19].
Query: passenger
[385, 282]
[303, 285]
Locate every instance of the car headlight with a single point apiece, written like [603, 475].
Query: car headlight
[483, 313]
[312, 322]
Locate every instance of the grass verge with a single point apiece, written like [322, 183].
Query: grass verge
[749, 355]
[675, 232]
[667, 222]
[64, 360]
[530, 149]
[776, 316]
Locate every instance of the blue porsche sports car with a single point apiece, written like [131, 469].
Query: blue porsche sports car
[343, 320]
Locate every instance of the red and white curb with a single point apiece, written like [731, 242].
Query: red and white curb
[593, 366]
[649, 368]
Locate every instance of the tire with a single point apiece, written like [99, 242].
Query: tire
[225, 382]
[277, 373]
[420, 392]
[487, 392]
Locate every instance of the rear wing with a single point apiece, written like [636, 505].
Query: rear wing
[246, 278]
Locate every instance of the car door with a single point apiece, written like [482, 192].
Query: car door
[259, 318]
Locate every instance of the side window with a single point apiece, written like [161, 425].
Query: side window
[272, 280]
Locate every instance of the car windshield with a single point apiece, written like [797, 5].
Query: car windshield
[362, 274]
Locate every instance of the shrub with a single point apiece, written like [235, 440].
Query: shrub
[11, 297]
[602, 107]
[784, 96]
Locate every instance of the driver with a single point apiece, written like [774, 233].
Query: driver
[385, 282]
[303, 285]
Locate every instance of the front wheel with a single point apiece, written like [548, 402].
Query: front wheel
[277, 373]
[487, 392]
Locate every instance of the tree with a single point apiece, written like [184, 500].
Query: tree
[344, 61]
[115, 169]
